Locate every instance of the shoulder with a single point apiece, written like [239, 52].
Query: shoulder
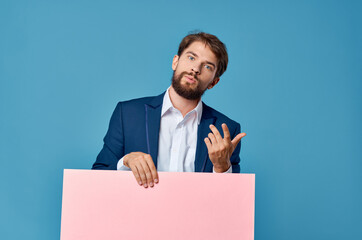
[220, 117]
[140, 102]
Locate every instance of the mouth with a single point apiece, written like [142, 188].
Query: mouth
[190, 79]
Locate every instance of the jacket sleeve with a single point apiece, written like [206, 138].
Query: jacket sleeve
[235, 158]
[113, 147]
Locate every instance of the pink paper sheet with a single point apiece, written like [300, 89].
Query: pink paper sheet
[99, 204]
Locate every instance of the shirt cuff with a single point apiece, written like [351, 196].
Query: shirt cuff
[230, 170]
[121, 166]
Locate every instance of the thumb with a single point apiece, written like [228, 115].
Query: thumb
[237, 139]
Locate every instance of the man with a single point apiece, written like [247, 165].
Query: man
[176, 131]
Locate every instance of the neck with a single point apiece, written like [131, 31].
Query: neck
[180, 103]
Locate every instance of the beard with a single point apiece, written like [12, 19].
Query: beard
[185, 90]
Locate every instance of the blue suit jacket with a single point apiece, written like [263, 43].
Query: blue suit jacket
[135, 126]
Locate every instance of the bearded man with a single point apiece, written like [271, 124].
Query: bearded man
[176, 131]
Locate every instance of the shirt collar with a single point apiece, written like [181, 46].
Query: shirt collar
[167, 105]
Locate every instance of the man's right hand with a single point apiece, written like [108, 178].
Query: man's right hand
[142, 167]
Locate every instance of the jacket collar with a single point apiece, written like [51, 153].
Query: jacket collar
[156, 101]
[202, 132]
[153, 118]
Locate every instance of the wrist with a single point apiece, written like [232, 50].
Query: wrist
[222, 168]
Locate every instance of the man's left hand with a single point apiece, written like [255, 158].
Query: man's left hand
[220, 149]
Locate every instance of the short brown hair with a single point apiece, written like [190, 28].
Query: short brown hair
[217, 47]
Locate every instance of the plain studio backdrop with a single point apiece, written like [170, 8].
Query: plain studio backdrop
[293, 82]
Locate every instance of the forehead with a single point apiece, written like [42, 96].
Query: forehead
[202, 50]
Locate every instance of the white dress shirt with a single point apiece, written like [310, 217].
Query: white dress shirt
[177, 138]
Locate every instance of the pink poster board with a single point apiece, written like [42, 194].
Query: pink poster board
[99, 204]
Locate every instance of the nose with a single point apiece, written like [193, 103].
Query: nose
[196, 68]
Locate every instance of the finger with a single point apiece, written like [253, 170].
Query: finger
[142, 174]
[152, 167]
[237, 139]
[216, 133]
[226, 132]
[208, 144]
[212, 139]
[136, 175]
[147, 173]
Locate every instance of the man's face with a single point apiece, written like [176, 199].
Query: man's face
[194, 71]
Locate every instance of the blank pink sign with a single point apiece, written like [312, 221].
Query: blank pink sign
[99, 204]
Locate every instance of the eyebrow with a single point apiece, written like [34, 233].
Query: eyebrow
[197, 56]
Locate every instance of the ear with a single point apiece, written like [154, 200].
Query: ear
[213, 83]
[175, 62]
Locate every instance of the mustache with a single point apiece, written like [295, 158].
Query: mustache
[190, 74]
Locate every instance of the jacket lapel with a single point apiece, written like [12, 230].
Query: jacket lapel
[202, 132]
[153, 118]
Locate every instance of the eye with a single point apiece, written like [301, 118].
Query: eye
[191, 58]
[208, 67]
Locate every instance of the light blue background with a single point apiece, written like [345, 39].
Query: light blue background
[293, 82]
